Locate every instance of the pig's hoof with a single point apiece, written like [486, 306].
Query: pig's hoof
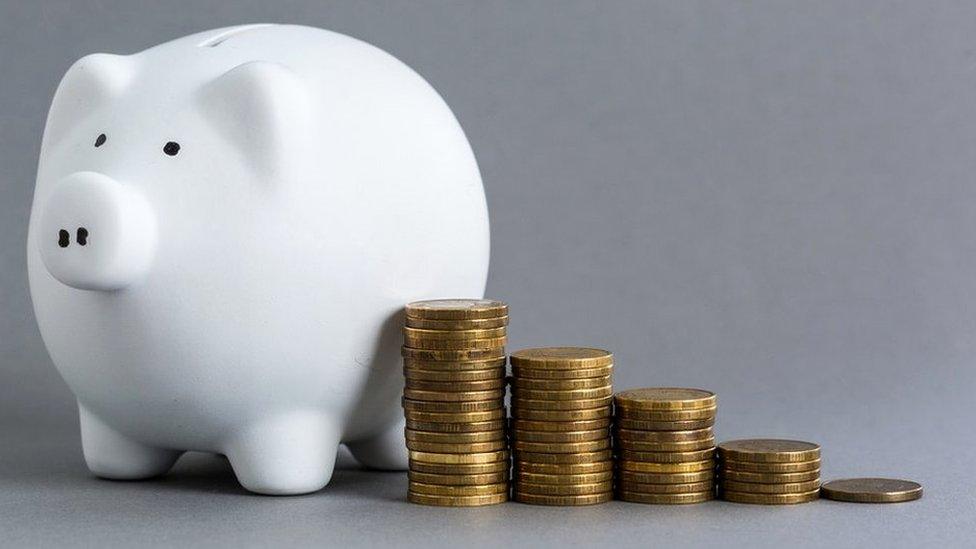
[290, 455]
[386, 451]
[112, 455]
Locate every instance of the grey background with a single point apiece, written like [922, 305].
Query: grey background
[773, 200]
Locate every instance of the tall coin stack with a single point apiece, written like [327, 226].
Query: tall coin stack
[769, 471]
[561, 407]
[454, 402]
[665, 445]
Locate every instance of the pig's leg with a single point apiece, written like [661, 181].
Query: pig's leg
[386, 450]
[288, 454]
[110, 454]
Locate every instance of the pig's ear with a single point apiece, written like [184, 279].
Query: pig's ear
[263, 107]
[92, 81]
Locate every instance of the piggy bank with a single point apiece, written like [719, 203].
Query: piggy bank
[224, 230]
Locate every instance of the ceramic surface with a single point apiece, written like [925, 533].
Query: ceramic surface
[224, 230]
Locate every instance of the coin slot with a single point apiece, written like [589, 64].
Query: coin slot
[219, 39]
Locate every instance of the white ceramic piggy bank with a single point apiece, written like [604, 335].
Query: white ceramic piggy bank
[224, 230]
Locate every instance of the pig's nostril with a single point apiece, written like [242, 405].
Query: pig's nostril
[82, 236]
[63, 238]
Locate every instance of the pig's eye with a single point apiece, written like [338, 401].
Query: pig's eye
[100, 140]
[172, 148]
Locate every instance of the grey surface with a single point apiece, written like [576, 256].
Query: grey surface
[774, 200]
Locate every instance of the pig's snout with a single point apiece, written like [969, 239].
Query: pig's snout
[95, 233]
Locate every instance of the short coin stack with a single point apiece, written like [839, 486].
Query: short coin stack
[665, 445]
[769, 471]
[561, 405]
[454, 402]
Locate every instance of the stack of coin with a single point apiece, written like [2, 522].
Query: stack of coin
[561, 400]
[664, 444]
[769, 471]
[454, 402]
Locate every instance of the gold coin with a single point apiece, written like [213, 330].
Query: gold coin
[769, 478]
[452, 358]
[561, 447]
[562, 384]
[581, 457]
[458, 490]
[465, 448]
[471, 469]
[473, 427]
[581, 404]
[564, 468]
[666, 398]
[757, 488]
[561, 436]
[666, 415]
[672, 488]
[664, 436]
[459, 459]
[871, 490]
[456, 386]
[453, 366]
[678, 467]
[685, 446]
[589, 499]
[458, 480]
[582, 373]
[561, 358]
[449, 377]
[579, 478]
[444, 407]
[420, 334]
[770, 499]
[667, 457]
[459, 396]
[644, 425]
[455, 344]
[456, 309]
[454, 438]
[560, 426]
[575, 394]
[457, 501]
[564, 489]
[666, 499]
[561, 415]
[455, 417]
[666, 478]
[758, 467]
[472, 324]
[766, 450]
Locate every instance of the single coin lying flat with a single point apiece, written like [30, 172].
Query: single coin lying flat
[871, 490]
